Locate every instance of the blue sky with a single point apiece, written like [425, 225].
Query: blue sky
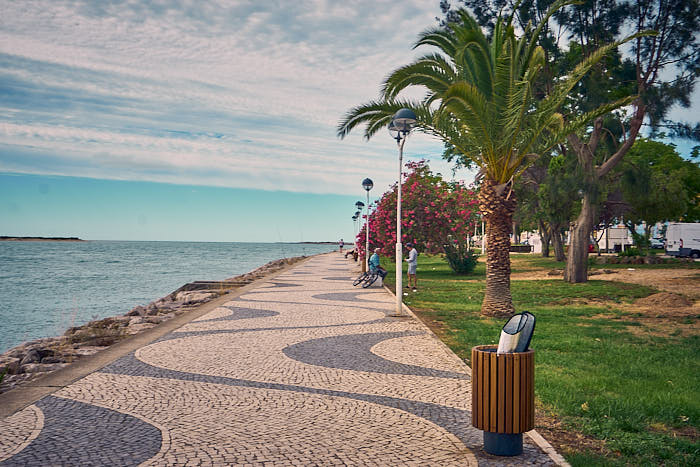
[148, 120]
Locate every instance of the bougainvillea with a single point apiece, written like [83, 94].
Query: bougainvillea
[434, 212]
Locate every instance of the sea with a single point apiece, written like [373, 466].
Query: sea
[47, 287]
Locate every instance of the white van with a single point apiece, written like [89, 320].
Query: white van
[683, 239]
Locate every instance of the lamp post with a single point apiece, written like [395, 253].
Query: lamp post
[367, 184]
[401, 125]
[360, 207]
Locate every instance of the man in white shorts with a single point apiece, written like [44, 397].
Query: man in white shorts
[412, 265]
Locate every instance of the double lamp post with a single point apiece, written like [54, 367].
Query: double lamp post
[401, 125]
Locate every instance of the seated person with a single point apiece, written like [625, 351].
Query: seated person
[374, 263]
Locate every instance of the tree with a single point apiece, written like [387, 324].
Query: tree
[661, 70]
[433, 210]
[559, 196]
[657, 184]
[673, 48]
[480, 100]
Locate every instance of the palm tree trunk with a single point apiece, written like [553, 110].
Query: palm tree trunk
[497, 204]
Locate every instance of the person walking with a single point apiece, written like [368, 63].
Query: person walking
[341, 244]
[412, 265]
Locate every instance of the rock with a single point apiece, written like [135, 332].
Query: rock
[137, 328]
[10, 364]
[137, 311]
[159, 319]
[86, 350]
[136, 320]
[17, 352]
[33, 356]
[39, 368]
[555, 272]
[53, 359]
[194, 297]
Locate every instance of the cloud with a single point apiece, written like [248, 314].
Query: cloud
[242, 94]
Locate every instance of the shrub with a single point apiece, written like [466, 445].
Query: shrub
[461, 259]
[632, 251]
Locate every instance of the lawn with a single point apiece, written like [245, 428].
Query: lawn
[615, 384]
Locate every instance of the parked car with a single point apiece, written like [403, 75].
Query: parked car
[657, 243]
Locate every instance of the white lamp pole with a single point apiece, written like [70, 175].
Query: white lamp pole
[360, 207]
[367, 184]
[404, 120]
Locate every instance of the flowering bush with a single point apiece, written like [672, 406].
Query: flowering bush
[431, 210]
[460, 257]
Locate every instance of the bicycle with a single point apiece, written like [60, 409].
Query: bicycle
[361, 278]
[369, 278]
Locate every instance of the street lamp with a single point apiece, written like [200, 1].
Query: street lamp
[401, 125]
[360, 207]
[367, 184]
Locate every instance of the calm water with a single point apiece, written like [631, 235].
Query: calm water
[46, 287]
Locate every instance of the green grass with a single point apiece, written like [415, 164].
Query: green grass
[598, 368]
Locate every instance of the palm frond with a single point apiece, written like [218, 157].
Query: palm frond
[433, 71]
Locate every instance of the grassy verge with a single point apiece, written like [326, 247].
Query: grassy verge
[614, 387]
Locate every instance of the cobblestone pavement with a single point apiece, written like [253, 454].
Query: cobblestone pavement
[304, 369]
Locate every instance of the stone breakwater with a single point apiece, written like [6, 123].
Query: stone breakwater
[36, 358]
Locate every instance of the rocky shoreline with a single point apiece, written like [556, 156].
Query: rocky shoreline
[33, 359]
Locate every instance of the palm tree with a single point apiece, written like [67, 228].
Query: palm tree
[480, 100]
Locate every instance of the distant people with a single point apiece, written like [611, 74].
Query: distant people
[341, 244]
[412, 266]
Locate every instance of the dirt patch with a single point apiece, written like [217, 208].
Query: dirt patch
[564, 439]
[665, 299]
[687, 432]
[679, 281]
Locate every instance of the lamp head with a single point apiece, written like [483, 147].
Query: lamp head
[359, 205]
[367, 184]
[402, 123]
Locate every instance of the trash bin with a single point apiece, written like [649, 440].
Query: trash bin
[503, 388]
[503, 398]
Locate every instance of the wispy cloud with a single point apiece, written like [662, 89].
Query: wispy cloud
[243, 94]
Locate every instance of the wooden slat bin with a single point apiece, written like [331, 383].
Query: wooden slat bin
[503, 390]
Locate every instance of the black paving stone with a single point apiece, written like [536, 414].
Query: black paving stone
[352, 352]
[81, 434]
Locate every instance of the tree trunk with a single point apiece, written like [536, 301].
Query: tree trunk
[558, 243]
[544, 238]
[577, 262]
[497, 204]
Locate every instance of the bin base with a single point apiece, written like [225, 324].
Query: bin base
[503, 444]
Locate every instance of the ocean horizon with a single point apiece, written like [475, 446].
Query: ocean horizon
[49, 286]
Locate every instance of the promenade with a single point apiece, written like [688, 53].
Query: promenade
[301, 368]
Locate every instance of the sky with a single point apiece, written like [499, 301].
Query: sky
[197, 120]
[132, 109]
